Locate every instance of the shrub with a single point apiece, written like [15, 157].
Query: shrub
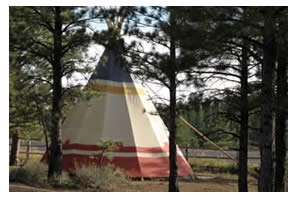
[104, 178]
[33, 173]
[62, 181]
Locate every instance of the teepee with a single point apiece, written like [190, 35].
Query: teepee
[122, 112]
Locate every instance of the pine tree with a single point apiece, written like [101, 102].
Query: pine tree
[162, 67]
[57, 38]
[281, 100]
[266, 172]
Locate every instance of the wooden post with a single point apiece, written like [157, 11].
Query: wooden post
[14, 152]
[187, 153]
[28, 150]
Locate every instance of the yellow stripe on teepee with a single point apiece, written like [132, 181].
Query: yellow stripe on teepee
[117, 90]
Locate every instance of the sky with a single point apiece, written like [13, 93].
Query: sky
[96, 50]
[162, 91]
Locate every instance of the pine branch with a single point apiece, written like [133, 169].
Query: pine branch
[47, 23]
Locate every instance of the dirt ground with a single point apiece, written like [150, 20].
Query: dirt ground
[15, 187]
[201, 184]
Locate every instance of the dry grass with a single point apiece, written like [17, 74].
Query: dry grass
[204, 182]
[201, 183]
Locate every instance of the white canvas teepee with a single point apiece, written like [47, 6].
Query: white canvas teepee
[124, 113]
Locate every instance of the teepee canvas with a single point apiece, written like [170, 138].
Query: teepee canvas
[122, 112]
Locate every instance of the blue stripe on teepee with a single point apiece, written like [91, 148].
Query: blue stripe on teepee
[108, 69]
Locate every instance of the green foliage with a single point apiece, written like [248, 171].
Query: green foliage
[32, 58]
[103, 178]
[206, 117]
[23, 117]
[184, 135]
[106, 146]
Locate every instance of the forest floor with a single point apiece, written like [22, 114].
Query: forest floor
[202, 183]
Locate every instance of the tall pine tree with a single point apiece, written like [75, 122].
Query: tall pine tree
[57, 36]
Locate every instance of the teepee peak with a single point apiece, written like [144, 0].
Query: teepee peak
[109, 68]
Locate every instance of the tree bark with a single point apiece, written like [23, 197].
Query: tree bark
[266, 171]
[281, 108]
[243, 136]
[55, 158]
[173, 183]
[14, 152]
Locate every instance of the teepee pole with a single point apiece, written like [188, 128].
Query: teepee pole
[193, 128]
[205, 138]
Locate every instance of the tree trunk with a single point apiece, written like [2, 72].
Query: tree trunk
[14, 152]
[281, 109]
[173, 183]
[55, 158]
[45, 132]
[259, 170]
[243, 136]
[266, 172]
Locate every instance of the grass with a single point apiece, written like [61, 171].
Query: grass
[206, 182]
[32, 158]
[217, 166]
[212, 176]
